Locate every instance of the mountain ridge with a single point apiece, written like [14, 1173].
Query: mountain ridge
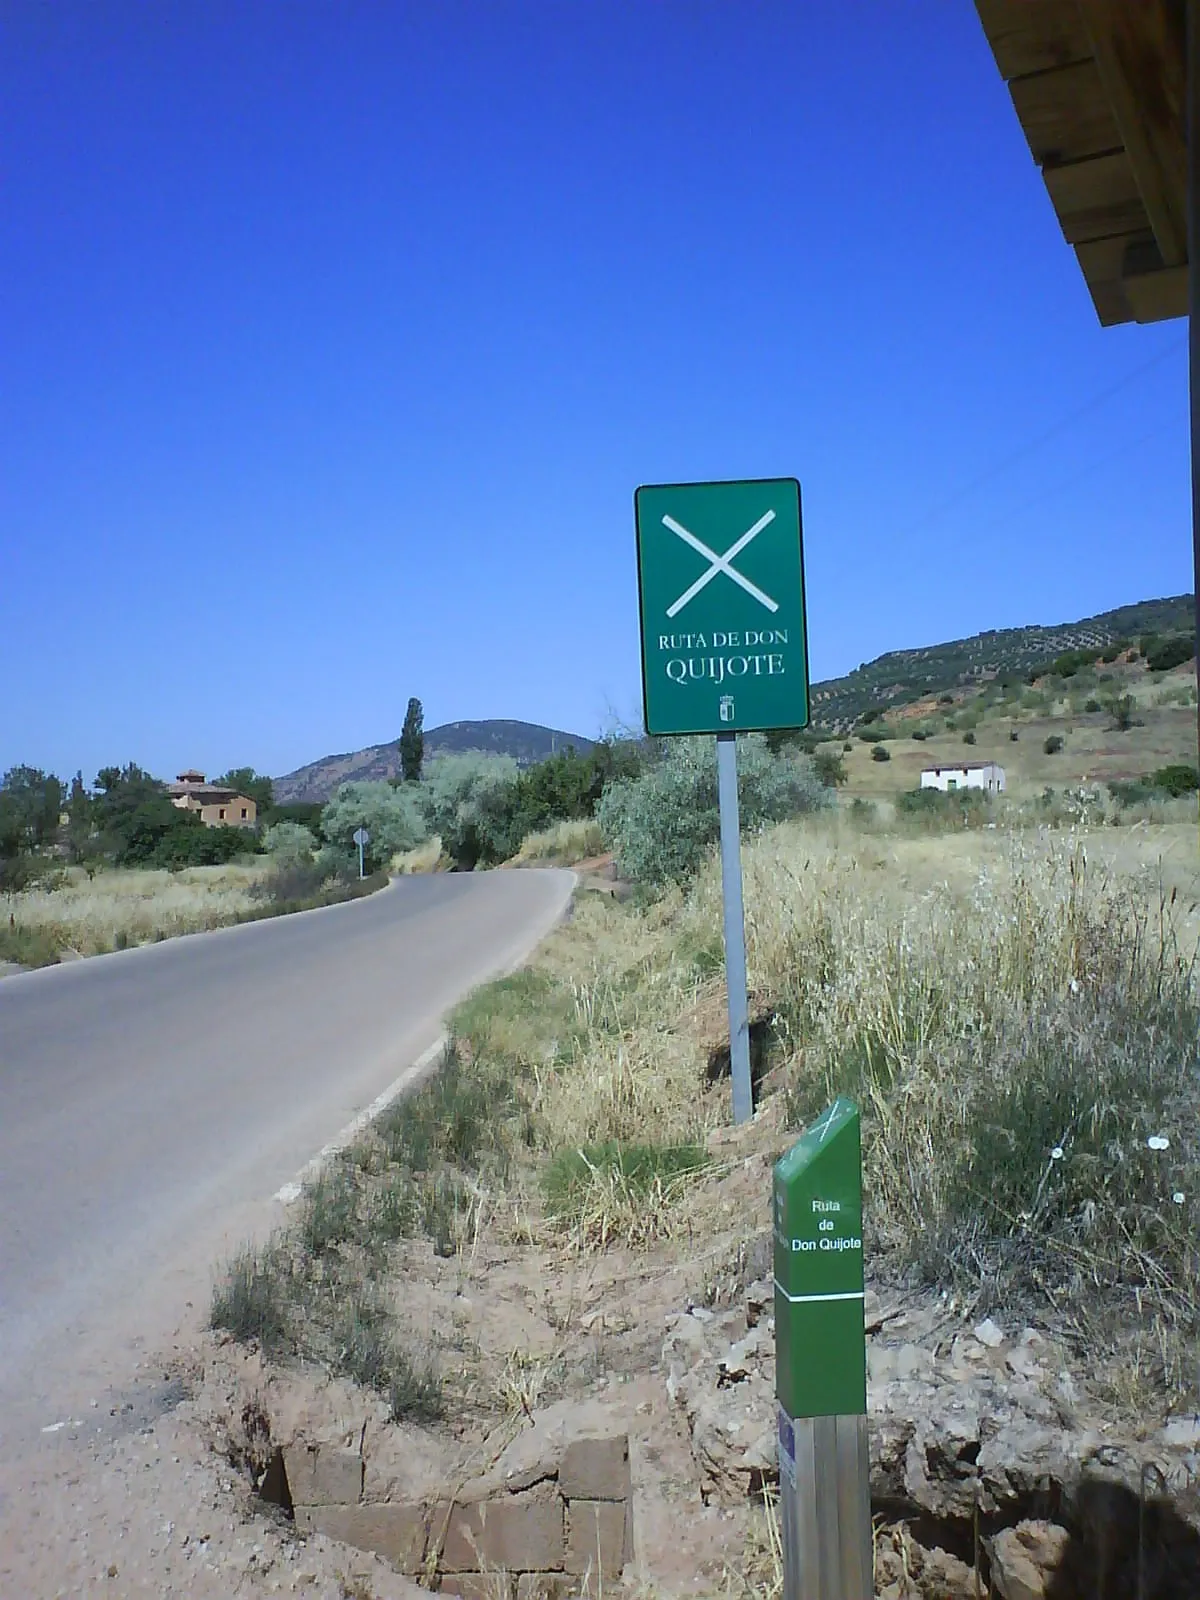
[526, 742]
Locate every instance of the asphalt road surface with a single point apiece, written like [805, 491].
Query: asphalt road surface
[153, 1103]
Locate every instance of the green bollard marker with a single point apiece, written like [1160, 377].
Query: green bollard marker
[821, 1362]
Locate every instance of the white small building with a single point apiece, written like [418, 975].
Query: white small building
[986, 775]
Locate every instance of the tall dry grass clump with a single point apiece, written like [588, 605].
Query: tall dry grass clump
[575, 839]
[1022, 1039]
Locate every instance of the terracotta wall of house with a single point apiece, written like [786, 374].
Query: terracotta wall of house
[229, 813]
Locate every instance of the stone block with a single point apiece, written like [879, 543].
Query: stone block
[395, 1532]
[477, 1585]
[595, 1468]
[516, 1535]
[599, 1537]
[320, 1476]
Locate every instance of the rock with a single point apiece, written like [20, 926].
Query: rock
[1023, 1363]
[1026, 1558]
[990, 1334]
[733, 1432]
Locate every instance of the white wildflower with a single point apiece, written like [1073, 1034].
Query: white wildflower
[1158, 1141]
[1057, 1153]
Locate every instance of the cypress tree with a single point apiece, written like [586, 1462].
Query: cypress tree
[412, 742]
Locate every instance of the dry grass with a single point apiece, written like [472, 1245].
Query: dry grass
[424, 858]
[564, 842]
[989, 997]
[127, 906]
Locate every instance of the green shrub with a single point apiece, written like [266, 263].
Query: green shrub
[467, 797]
[919, 733]
[1161, 655]
[289, 844]
[29, 947]
[1052, 745]
[881, 753]
[1013, 735]
[307, 813]
[1177, 780]
[830, 768]
[936, 810]
[1093, 705]
[17, 872]
[1133, 792]
[969, 736]
[1073, 661]
[1122, 708]
[662, 825]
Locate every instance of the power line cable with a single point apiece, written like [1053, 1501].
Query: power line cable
[1076, 477]
[1033, 445]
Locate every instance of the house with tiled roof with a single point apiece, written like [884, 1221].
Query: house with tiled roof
[217, 806]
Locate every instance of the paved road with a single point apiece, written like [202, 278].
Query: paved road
[152, 1103]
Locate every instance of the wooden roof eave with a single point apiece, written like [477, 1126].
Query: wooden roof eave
[1099, 87]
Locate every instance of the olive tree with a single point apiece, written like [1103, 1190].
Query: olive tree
[392, 817]
[662, 824]
[467, 798]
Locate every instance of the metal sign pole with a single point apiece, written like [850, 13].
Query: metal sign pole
[735, 928]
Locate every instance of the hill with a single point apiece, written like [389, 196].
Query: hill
[886, 684]
[901, 676]
[526, 742]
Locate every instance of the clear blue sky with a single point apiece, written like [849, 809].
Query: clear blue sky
[334, 339]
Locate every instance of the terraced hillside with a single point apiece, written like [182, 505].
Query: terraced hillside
[902, 676]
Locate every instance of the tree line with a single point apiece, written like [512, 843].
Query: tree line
[125, 818]
[655, 801]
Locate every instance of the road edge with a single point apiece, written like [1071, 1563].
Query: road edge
[416, 1072]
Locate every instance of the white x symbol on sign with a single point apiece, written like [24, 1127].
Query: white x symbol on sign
[720, 563]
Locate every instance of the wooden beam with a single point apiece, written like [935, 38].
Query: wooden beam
[1096, 198]
[1102, 262]
[1140, 57]
[1030, 37]
[1157, 296]
[1065, 114]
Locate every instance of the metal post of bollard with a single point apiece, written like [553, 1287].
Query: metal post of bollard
[820, 1363]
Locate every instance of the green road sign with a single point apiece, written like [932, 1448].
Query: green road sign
[820, 1347]
[721, 578]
